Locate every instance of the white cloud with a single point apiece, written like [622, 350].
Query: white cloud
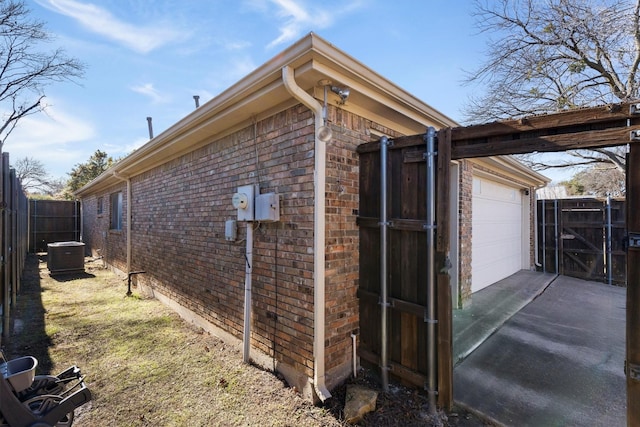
[300, 16]
[50, 129]
[139, 38]
[57, 138]
[147, 89]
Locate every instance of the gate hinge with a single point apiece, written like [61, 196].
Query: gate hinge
[632, 370]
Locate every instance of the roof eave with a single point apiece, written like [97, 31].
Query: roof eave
[311, 57]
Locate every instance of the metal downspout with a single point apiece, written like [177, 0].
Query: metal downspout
[319, 185]
[536, 243]
[128, 181]
[81, 222]
[431, 272]
[384, 261]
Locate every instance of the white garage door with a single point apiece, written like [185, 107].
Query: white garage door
[496, 232]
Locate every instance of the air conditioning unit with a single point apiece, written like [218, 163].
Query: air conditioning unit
[65, 257]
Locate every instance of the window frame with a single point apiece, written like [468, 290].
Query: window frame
[115, 220]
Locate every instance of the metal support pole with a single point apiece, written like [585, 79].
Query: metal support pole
[544, 236]
[384, 260]
[555, 213]
[6, 280]
[608, 243]
[431, 271]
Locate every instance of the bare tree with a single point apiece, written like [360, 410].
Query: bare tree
[597, 181]
[32, 174]
[554, 55]
[25, 69]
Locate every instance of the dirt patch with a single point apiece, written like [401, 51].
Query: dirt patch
[147, 367]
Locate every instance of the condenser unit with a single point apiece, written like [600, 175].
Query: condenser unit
[65, 257]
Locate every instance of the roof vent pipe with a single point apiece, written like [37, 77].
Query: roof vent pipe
[150, 127]
[196, 98]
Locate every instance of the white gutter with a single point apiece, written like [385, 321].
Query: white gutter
[128, 181]
[319, 184]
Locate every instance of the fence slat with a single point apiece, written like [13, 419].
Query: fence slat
[14, 209]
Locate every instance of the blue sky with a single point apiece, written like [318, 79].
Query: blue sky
[148, 58]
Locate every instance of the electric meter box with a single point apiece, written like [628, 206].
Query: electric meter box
[231, 230]
[267, 207]
[244, 201]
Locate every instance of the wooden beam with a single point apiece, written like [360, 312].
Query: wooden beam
[443, 284]
[564, 119]
[396, 143]
[549, 143]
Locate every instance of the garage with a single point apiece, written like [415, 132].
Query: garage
[500, 236]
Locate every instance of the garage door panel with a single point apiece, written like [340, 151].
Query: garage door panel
[497, 232]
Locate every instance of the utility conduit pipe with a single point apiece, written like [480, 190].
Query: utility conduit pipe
[319, 185]
[246, 341]
[355, 353]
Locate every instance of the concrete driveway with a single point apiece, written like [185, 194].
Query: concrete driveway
[559, 361]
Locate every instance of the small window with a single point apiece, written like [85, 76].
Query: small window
[100, 203]
[116, 211]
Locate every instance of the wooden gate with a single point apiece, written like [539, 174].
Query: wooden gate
[583, 238]
[407, 270]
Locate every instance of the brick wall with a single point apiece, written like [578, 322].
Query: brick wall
[99, 239]
[465, 232]
[342, 237]
[179, 213]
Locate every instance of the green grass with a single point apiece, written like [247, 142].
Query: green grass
[144, 365]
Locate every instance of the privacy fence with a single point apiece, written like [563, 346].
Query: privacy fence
[583, 238]
[14, 207]
[53, 221]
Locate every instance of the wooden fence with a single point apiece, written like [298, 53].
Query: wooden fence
[53, 221]
[407, 295]
[13, 239]
[583, 238]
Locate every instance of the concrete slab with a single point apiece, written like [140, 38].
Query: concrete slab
[492, 306]
[559, 361]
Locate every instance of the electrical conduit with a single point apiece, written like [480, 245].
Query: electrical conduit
[246, 340]
[319, 184]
